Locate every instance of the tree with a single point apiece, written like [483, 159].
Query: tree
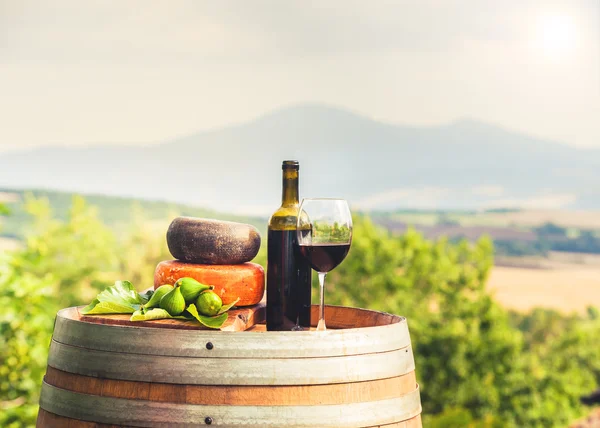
[4, 209]
[478, 365]
[60, 265]
[472, 363]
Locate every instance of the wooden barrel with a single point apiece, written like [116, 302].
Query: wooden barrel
[359, 373]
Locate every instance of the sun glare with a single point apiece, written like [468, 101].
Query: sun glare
[557, 35]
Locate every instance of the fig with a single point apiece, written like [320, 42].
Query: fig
[173, 302]
[209, 303]
[157, 295]
[191, 289]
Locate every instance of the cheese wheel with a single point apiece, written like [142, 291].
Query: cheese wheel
[214, 242]
[246, 280]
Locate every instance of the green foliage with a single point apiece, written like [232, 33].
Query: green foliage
[551, 229]
[323, 232]
[470, 356]
[514, 248]
[457, 417]
[4, 209]
[118, 213]
[78, 253]
[28, 307]
[62, 263]
[478, 365]
[142, 247]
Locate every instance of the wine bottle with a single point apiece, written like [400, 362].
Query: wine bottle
[288, 273]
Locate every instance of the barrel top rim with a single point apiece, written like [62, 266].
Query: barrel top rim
[73, 313]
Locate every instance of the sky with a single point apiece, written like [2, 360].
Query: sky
[139, 72]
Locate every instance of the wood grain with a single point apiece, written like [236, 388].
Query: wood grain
[339, 318]
[308, 395]
[230, 371]
[372, 339]
[110, 410]
[411, 423]
[359, 373]
[239, 319]
[50, 420]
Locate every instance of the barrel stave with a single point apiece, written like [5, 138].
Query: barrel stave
[358, 374]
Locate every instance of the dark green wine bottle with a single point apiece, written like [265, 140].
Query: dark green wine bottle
[288, 273]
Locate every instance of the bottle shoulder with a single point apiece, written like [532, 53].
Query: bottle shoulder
[284, 218]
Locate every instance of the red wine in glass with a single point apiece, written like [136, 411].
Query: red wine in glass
[324, 234]
[324, 257]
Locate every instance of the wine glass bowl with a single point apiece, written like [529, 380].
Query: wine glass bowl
[324, 235]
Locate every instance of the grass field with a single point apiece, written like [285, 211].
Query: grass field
[559, 284]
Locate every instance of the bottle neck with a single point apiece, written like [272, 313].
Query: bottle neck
[289, 196]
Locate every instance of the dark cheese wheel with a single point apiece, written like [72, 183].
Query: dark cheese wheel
[206, 241]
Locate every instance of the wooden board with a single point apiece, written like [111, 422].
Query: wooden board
[239, 320]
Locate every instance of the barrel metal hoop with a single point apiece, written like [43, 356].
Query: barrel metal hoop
[230, 371]
[162, 414]
[192, 343]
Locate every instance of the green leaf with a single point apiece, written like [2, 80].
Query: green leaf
[122, 292]
[109, 308]
[151, 314]
[121, 298]
[89, 307]
[157, 314]
[210, 322]
[225, 308]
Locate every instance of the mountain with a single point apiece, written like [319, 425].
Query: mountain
[463, 165]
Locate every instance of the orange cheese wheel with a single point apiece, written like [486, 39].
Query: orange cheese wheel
[246, 281]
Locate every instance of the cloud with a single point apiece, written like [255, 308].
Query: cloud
[133, 31]
[146, 70]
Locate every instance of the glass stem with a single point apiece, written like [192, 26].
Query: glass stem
[322, 304]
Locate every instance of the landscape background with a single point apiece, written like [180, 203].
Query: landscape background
[466, 164]
[464, 135]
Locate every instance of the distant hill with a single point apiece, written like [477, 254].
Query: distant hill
[516, 233]
[115, 212]
[462, 165]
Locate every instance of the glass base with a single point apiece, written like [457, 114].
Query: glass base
[321, 325]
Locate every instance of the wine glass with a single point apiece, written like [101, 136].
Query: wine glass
[324, 234]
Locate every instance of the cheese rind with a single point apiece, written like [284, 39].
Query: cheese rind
[215, 242]
[246, 280]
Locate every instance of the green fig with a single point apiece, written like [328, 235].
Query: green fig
[191, 289]
[209, 303]
[157, 295]
[173, 302]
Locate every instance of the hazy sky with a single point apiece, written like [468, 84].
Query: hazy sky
[80, 72]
